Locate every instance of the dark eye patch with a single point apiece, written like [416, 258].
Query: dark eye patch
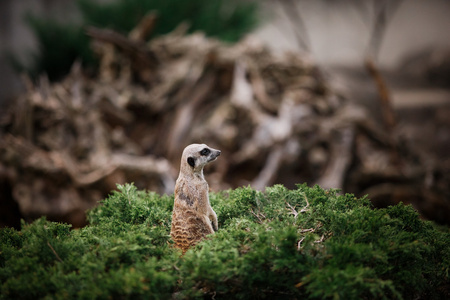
[205, 152]
[191, 161]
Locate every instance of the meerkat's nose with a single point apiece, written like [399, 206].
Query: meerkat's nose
[218, 152]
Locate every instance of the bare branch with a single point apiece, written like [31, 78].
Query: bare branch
[293, 211]
[384, 10]
[54, 252]
[300, 242]
[291, 10]
[258, 215]
[320, 240]
[305, 209]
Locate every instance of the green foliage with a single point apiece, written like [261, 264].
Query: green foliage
[227, 20]
[283, 244]
[60, 44]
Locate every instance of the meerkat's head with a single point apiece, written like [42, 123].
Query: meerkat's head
[196, 156]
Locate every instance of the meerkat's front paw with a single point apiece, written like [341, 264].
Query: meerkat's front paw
[214, 222]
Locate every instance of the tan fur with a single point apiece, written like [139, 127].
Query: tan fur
[193, 217]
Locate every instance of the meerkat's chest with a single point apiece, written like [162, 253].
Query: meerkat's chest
[191, 193]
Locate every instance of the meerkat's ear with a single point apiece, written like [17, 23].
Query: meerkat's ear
[191, 161]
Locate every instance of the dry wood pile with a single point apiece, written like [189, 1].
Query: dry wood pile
[65, 145]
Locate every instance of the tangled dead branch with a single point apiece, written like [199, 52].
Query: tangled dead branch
[64, 146]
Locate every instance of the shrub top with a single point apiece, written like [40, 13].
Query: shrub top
[303, 243]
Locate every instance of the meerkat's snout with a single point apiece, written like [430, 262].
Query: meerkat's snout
[214, 155]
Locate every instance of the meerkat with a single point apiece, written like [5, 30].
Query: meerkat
[193, 217]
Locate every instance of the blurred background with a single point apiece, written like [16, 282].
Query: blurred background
[347, 94]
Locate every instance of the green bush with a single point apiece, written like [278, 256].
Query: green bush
[281, 244]
[60, 44]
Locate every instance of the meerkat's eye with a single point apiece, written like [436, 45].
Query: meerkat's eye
[205, 152]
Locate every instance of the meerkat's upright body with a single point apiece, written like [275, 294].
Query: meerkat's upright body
[193, 217]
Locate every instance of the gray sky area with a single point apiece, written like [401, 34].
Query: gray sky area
[339, 31]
